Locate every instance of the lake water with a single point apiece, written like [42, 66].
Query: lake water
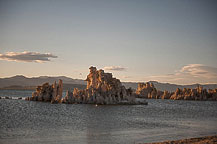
[25, 122]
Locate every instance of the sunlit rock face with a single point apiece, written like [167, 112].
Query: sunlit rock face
[57, 92]
[212, 94]
[48, 93]
[146, 90]
[102, 88]
[149, 91]
[194, 94]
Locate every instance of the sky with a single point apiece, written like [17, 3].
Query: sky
[171, 41]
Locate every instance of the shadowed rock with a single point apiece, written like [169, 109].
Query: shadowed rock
[48, 93]
[57, 92]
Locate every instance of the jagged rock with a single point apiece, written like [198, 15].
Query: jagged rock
[48, 93]
[159, 94]
[193, 94]
[68, 98]
[212, 94]
[153, 94]
[102, 88]
[57, 92]
[166, 95]
[149, 91]
[144, 90]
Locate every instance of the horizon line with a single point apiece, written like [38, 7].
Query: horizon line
[118, 78]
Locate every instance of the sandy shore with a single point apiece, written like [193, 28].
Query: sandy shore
[200, 140]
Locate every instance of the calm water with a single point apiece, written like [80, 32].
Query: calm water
[25, 122]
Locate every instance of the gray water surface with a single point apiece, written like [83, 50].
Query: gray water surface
[25, 122]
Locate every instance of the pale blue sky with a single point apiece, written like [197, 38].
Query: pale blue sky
[150, 38]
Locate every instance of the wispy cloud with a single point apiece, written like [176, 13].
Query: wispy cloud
[115, 68]
[200, 70]
[192, 73]
[126, 77]
[27, 56]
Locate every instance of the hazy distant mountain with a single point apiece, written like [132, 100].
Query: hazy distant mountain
[21, 81]
[65, 87]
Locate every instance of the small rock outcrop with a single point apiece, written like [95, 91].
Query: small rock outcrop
[194, 94]
[102, 88]
[48, 93]
[144, 90]
[149, 91]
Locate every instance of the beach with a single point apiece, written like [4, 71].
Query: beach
[199, 140]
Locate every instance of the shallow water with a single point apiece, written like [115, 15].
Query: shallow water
[27, 122]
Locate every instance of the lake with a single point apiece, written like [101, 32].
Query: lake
[25, 122]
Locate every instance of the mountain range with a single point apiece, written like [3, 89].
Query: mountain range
[22, 82]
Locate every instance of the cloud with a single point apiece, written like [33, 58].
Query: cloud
[200, 70]
[126, 77]
[27, 56]
[115, 68]
[189, 74]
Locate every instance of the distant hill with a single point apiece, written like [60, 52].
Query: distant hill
[65, 87]
[22, 82]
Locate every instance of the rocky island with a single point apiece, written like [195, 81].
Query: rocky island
[101, 88]
[48, 93]
[149, 91]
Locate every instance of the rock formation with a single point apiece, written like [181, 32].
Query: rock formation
[149, 91]
[194, 94]
[102, 88]
[48, 93]
[144, 90]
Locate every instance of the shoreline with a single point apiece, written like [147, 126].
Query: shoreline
[198, 140]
